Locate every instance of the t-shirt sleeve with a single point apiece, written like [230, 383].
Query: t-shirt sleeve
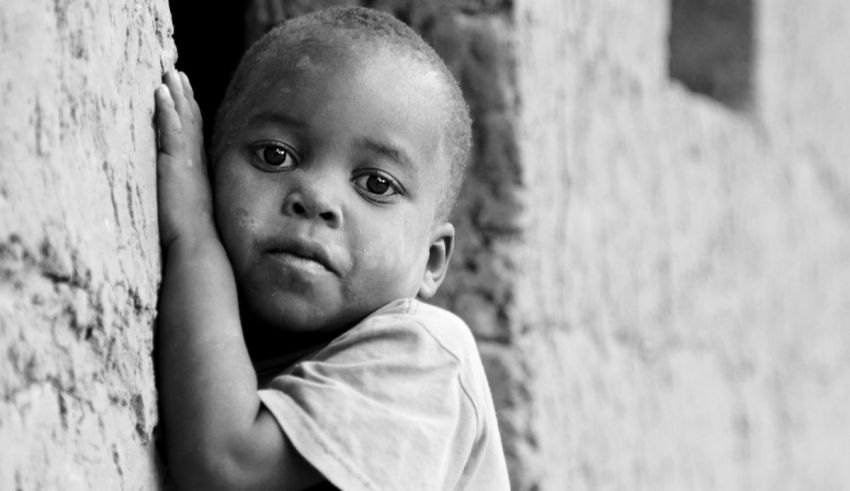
[382, 407]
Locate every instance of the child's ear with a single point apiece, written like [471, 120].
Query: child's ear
[442, 245]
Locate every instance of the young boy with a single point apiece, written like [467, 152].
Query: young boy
[291, 349]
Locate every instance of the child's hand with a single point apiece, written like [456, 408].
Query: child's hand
[183, 190]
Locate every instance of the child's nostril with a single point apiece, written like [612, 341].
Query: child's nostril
[299, 209]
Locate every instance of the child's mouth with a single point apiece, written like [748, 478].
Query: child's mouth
[300, 262]
[303, 255]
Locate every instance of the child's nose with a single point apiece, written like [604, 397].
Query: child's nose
[313, 201]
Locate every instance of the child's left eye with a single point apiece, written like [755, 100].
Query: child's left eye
[275, 156]
[377, 185]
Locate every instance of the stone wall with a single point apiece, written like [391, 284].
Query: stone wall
[79, 259]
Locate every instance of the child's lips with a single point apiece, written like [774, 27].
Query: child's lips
[299, 262]
[303, 254]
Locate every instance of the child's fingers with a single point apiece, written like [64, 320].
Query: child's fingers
[175, 86]
[187, 87]
[190, 96]
[168, 122]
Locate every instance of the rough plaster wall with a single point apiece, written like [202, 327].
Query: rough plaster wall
[687, 268]
[79, 260]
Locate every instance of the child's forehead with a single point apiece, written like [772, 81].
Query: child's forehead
[328, 55]
[338, 69]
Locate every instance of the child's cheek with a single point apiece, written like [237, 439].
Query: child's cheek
[389, 265]
[244, 219]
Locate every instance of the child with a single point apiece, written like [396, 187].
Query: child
[291, 349]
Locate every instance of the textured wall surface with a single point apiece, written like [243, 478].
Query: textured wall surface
[79, 260]
[685, 287]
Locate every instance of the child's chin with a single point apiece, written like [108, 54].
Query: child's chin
[296, 315]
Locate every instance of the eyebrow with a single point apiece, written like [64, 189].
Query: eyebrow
[388, 150]
[271, 117]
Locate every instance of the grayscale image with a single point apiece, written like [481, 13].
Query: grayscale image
[438, 245]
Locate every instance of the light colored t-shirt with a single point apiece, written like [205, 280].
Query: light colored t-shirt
[398, 402]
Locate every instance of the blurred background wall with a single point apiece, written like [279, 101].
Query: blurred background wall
[654, 241]
[684, 270]
[79, 258]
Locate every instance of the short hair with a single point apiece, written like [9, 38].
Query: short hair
[360, 26]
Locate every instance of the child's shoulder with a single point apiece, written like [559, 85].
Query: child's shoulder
[416, 310]
[422, 319]
[407, 329]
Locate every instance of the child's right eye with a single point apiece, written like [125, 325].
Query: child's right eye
[275, 155]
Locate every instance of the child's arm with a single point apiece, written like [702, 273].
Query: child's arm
[217, 435]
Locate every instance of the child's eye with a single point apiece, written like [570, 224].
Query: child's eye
[276, 155]
[377, 186]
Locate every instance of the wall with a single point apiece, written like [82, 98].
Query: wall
[79, 260]
[686, 280]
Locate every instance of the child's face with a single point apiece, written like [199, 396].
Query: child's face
[327, 193]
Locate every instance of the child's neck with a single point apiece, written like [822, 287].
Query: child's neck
[271, 347]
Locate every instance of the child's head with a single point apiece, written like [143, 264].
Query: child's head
[337, 154]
